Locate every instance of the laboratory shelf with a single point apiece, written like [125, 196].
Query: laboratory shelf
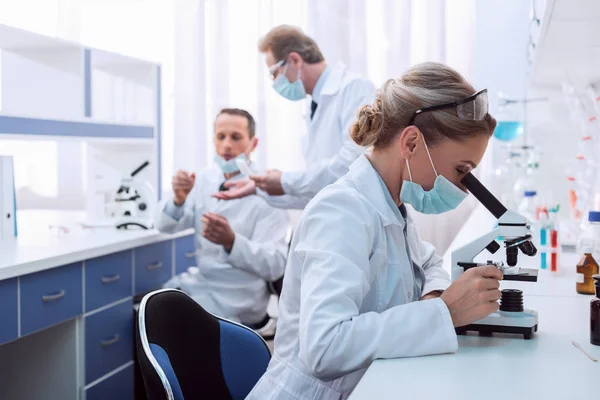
[53, 89]
[564, 43]
[14, 125]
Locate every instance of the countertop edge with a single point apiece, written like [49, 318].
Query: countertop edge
[99, 250]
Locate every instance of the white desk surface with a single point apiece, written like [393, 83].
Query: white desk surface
[504, 366]
[38, 247]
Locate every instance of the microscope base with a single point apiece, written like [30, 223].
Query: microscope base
[521, 323]
[133, 222]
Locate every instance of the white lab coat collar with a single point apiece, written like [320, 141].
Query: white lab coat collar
[370, 184]
[334, 81]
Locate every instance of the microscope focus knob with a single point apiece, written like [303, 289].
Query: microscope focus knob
[493, 247]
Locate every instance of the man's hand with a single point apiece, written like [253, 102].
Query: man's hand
[474, 295]
[270, 183]
[217, 230]
[183, 183]
[237, 189]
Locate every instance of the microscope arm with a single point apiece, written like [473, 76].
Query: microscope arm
[469, 251]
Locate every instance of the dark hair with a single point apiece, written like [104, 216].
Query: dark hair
[284, 39]
[241, 113]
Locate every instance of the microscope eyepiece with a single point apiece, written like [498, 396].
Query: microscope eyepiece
[484, 196]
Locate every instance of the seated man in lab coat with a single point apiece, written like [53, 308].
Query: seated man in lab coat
[298, 69]
[240, 244]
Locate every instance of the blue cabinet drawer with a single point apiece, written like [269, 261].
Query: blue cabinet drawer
[108, 279]
[117, 387]
[8, 310]
[185, 253]
[50, 297]
[152, 266]
[108, 340]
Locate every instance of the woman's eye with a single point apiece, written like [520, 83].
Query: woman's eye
[463, 170]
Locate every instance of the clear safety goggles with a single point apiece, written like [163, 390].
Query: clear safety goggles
[275, 67]
[473, 108]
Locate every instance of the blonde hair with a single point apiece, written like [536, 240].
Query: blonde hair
[423, 85]
[284, 39]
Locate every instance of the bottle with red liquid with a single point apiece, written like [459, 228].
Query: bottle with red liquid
[595, 314]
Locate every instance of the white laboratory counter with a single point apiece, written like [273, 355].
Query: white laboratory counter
[504, 366]
[41, 246]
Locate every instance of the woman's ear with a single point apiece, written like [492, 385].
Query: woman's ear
[409, 141]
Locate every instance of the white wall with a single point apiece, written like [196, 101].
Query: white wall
[501, 65]
[501, 48]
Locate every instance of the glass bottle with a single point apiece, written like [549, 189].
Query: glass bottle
[589, 246]
[586, 268]
[595, 314]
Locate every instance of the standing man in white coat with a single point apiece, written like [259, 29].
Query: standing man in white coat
[298, 69]
[240, 244]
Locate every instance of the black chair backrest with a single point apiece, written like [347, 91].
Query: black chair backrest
[199, 348]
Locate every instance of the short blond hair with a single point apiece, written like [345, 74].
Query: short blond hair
[285, 39]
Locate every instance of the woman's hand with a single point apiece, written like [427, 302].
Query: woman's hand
[474, 295]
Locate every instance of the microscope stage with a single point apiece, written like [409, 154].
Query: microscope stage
[524, 275]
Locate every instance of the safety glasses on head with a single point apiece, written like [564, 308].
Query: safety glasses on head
[275, 67]
[473, 108]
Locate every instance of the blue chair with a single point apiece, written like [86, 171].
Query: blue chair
[184, 352]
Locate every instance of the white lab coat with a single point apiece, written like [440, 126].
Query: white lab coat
[328, 148]
[355, 273]
[230, 285]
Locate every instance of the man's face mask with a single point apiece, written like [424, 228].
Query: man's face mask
[290, 90]
[444, 196]
[229, 166]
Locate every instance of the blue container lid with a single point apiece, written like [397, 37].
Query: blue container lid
[594, 216]
[530, 193]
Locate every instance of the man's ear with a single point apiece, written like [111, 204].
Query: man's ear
[296, 59]
[409, 141]
[252, 146]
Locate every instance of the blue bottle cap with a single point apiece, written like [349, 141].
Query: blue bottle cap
[594, 216]
[530, 193]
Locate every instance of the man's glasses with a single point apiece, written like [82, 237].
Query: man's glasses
[275, 67]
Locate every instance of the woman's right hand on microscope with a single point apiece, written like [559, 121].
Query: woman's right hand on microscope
[183, 183]
[474, 295]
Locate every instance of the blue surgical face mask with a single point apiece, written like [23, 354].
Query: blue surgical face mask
[290, 90]
[444, 196]
[229, 167]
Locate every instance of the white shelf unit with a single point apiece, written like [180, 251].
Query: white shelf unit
[54, 89]
[566, 43]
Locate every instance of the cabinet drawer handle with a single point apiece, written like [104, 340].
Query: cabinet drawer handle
[113, 340]
[53, 297]
[154, 266]
[110, 279]
[191, 254]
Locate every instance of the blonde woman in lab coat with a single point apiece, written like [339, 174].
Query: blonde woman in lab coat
[360, 284]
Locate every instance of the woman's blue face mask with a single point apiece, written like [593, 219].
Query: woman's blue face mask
[443, 197]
